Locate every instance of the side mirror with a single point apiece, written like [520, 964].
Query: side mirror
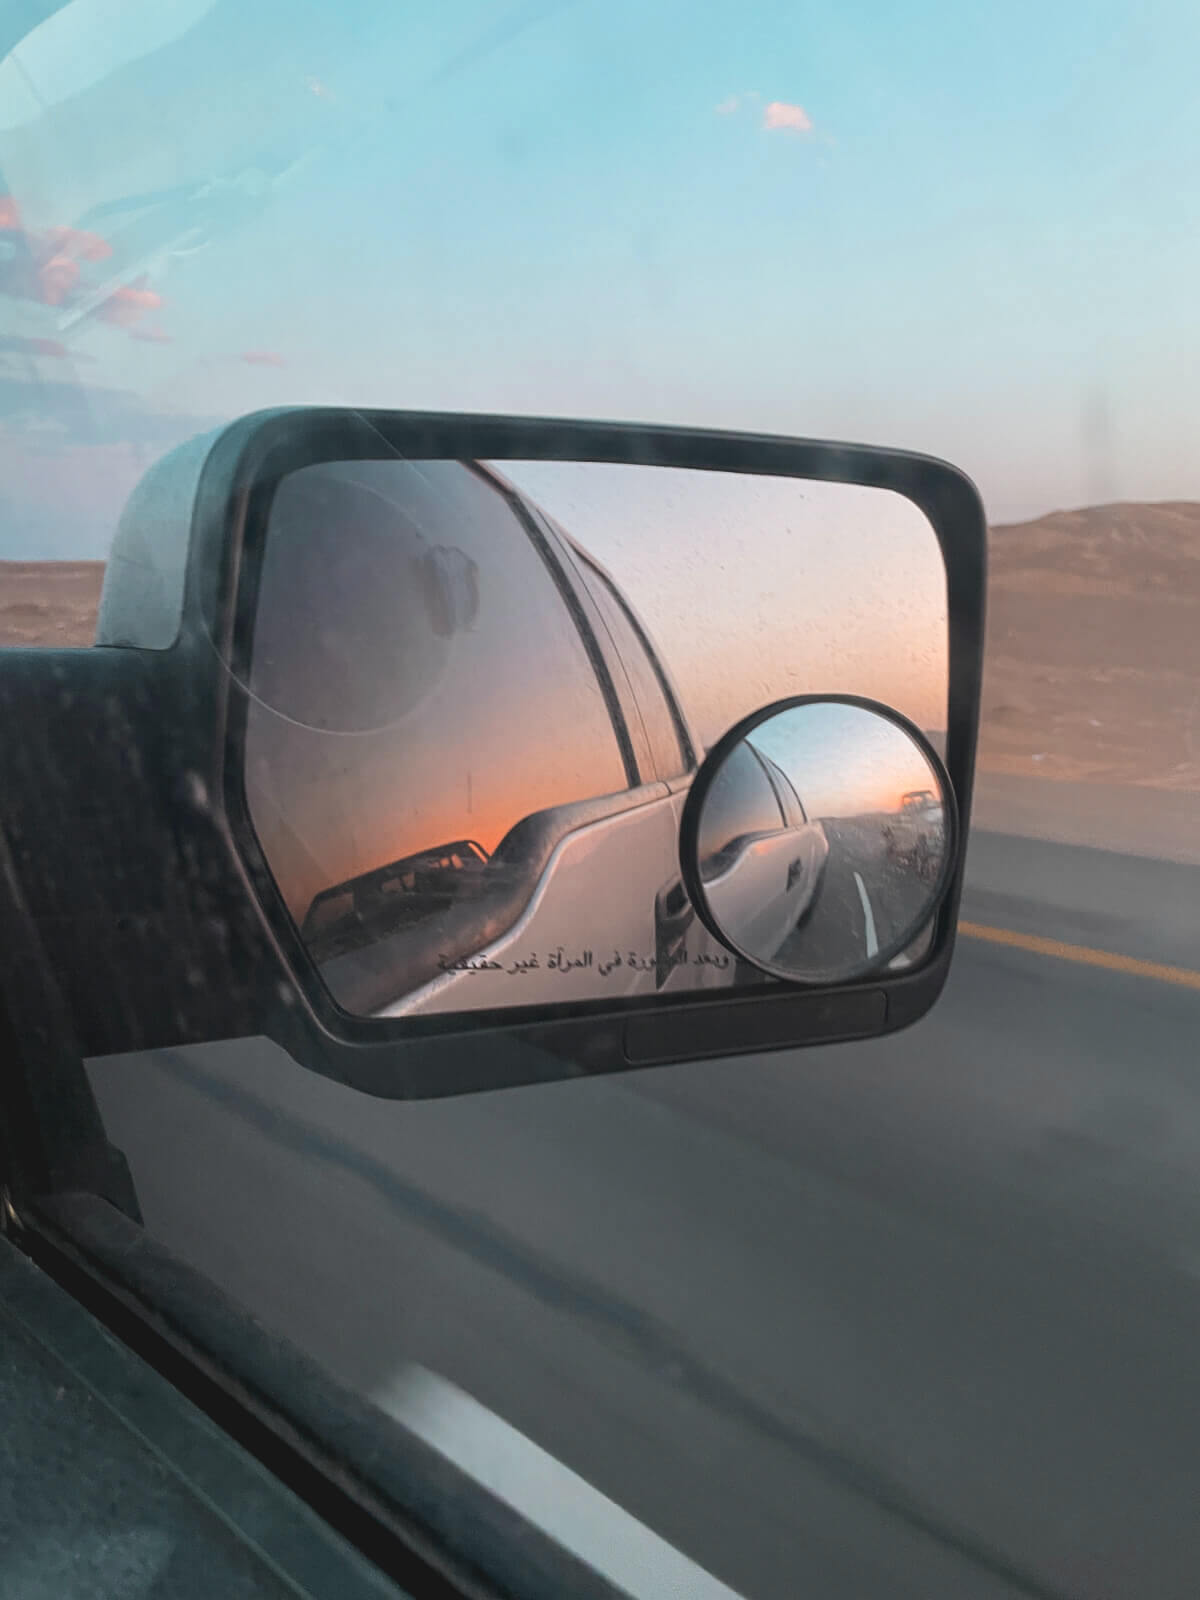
[429, 795]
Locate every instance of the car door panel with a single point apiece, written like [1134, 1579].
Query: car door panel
[583, 933]
[761, 894]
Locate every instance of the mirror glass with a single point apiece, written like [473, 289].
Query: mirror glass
[822, 841]
[478, 693]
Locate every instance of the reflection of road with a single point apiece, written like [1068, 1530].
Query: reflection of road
[891, 1319]
[864, 902]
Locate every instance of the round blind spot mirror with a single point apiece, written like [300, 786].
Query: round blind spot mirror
[819, 838]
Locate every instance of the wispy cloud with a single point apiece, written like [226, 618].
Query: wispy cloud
[779, 114]
[263, 358]
[126, 304]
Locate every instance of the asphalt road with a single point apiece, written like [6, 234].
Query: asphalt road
[864, 902]
[912, 1318]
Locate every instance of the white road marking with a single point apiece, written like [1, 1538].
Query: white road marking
[587, 1523]
[869, 916]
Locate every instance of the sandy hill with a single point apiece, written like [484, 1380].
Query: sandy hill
[1093, 648]
[49, 602]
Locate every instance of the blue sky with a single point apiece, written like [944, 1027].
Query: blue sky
[842, 760]
[971, 230]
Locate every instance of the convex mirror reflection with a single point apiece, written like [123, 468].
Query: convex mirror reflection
[818, 842]
[479, 693]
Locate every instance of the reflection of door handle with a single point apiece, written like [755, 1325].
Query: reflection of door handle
[672, 911]
[673, 916]
[794, 871]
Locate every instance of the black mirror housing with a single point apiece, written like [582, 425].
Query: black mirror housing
[158, 909]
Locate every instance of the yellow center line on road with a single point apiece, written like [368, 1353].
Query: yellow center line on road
[1082, 953]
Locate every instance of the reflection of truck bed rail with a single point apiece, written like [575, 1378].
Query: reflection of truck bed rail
[349, 915]
[380, 963]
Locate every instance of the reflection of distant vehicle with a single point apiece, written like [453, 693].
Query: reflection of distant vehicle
[585, 872]
[922, 804]
[761, 859]
[915, 836]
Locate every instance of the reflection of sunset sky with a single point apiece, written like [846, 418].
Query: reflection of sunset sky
[842, 761]
[759, 588]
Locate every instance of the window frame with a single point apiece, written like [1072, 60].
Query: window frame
[784, 789]
[582, 613]
[582, 562]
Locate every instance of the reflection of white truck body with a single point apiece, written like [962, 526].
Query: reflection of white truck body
[761, 859]
[769, 886]
[588, 929]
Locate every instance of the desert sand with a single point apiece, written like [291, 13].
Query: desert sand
[1092, 668]
[49, 602]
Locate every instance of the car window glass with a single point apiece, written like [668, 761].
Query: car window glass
[658, 719]
[793, 808]
[740, 803]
